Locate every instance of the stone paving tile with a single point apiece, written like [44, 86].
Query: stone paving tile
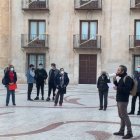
[78, 119]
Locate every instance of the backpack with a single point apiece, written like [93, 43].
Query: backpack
[133, 90]
[3, 81]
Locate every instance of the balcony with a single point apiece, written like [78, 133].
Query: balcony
[80, 42]
[134, 4]
[29, 5]
[32, 41]
[134, 42]
[88, 4]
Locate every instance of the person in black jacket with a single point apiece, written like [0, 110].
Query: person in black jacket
[103, 89]
[123, 88]
[61, 82]
[51, 81]
[40, 77]
[10, 79]
[137, 77]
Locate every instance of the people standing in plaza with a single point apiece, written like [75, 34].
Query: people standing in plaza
[40, 77]
[122, 97]
[10, 80]
[51, 81]
[102, 85]
[134, 98]
[62, 81]
[30, 80]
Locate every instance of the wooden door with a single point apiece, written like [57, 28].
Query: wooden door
[87, 69]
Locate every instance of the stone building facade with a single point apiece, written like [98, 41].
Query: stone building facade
[83, 36]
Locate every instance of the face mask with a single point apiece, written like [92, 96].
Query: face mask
[40, 67]
[62, 72]
[11, 69]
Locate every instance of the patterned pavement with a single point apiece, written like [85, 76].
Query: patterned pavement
[78, 118]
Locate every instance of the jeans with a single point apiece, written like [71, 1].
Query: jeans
[134, 103]
[10, 92]
[125, 121]
[103, 95]
[30, 88]
[51, 87]
[40, 85]
[57, 98]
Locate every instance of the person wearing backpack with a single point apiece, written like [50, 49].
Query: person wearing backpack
[134, 98]
[123, 88]
[103, 89]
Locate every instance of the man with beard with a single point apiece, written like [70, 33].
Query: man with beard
[122, 97]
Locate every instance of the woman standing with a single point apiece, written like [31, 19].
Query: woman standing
[10, 80]
[103, 89]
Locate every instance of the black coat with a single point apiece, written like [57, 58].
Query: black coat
[7, 78]
[58, 83]
[40, 75]
[102, 83]
[123, 88]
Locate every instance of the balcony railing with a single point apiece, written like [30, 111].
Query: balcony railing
[35, 4]
[134, 41]
[88, 4]
[34, 41]
[134, 4]
[82, 42]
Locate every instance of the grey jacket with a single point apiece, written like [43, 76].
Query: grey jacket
[30, 76]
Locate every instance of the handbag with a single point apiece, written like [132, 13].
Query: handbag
[12, 87]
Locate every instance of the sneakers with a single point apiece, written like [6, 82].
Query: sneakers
[100, 108]
[30, 99]
[14, 104]
[55, 104]
[60, 104]
[48, 99]
[119, 133]
[105, 109]
[37, 98]
[127, 136]
[131, 113]
[42, 98]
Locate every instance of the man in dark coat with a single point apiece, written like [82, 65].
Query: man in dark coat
[102, 86]
[40, 77]
[133, 104]
[122, 97]
[61, 81]
[51, 81]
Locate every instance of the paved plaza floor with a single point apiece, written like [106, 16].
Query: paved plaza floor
[78, 118]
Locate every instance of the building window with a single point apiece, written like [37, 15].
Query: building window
[136, 61]
[37, 29]
[36, 59]
[137, 29]
[88, 30]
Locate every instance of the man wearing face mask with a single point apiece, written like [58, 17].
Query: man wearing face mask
[30, 80]
[10, 79]
[62, 82]
[51, 81]
[103, 89]
[122, 97]
[40, 77]
[137, 77]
